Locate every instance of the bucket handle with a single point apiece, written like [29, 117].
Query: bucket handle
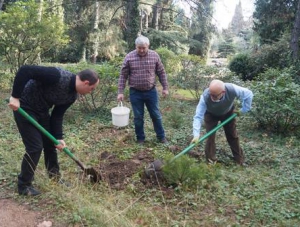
[120, 104]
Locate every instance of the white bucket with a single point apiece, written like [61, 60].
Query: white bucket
[120, 115]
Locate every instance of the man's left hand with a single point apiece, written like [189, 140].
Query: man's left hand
[165, 93]
[61, 145]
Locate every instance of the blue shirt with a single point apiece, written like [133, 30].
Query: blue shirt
[205, 104]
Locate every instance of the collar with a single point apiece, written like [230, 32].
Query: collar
[72, 85]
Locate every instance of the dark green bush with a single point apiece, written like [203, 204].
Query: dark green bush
[275, 55]
[276, 99]
[242, 66]
[185, 171]
[249, 65]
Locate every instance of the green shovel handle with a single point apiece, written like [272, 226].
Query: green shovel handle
[45, 132]
[205, 136]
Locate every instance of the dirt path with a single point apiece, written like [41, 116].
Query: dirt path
[14, 215]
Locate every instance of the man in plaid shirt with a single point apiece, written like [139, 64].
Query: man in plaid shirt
[140, 68]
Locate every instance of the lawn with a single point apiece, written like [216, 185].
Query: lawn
[266, 193]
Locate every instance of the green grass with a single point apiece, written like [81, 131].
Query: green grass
[267, 193]
[184, 93]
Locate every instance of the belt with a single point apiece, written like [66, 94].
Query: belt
[142, 90]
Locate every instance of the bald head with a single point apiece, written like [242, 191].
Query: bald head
[216, 89]
[216, 86]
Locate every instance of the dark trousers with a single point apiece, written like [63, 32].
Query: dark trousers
[34, 142]
[138, 100]
[211, 122]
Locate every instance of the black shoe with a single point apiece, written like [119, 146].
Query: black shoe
[140, 142]
[164, 141]
[28, 191]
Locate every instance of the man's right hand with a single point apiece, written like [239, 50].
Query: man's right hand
[120, 97]
[195, 139]
[237, 112]
[14, 103]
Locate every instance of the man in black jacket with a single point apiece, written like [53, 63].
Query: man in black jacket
[39, 89]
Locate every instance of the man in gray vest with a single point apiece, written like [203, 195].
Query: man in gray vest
[217, 104]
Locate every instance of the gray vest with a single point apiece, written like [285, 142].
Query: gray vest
[222, 107]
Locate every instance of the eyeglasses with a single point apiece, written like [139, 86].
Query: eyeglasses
[216, 96]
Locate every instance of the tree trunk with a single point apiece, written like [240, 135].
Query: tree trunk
[95, 35]
[132, 23]
[141, 19]
[1, 4]
[40, 13]
[295, 35]
[146, 20]
[155, 16]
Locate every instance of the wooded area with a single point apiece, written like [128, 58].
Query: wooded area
[261, 53]
[95, 31]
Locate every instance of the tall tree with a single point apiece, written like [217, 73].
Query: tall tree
[237, 22]
[132, 22]
[295, 35]
[273, 17]
[1, 4]
[156, 12]
[201, 28]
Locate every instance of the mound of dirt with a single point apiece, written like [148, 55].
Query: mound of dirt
[117, 173]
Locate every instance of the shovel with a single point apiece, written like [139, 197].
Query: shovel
[157, 165]
[95, 176]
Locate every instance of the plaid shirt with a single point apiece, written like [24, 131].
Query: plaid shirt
[141, 71]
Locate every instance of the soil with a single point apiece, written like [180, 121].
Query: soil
[13, 214]
[118, 173]
[115, 172]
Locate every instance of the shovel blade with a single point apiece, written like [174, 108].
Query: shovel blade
[95, 176]
[154, 167]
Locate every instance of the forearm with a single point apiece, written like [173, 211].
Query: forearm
[123, 77]
[160, 71]
[56, 120]
[121, 84]
[199, 116]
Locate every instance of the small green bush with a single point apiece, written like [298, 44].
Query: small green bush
[175, 119]
[187, 173]
[276, 101]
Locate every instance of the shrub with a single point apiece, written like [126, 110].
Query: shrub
[276, 106]
[195, 79]
[105, 92]
[188, 173]
[175, 119]
[170, 60]
[275, 55]
[241, 65]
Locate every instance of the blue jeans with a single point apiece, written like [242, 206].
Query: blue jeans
[149, 98]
